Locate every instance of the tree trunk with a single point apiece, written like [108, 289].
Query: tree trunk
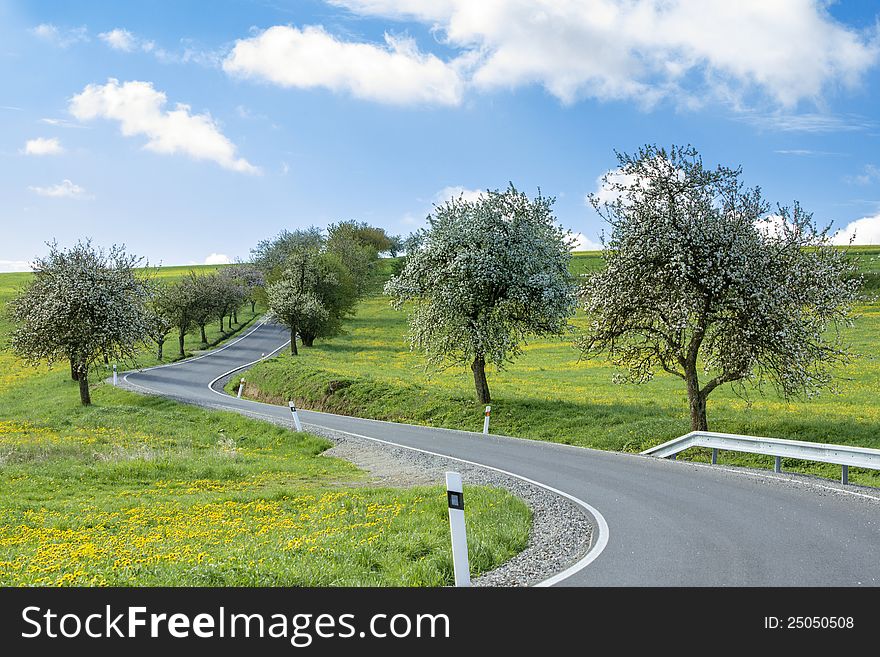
[85, 396]
[308, 339]
[697, 403]
[180, 339]
[293, 342]
[482, 386]
[160, 344]
[73, 374]
[106, 360]
[204, 337]
[221, 324]
[235, 315]
[253, 307]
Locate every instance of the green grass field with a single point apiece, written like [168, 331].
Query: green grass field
[143, 491]
[549, 394]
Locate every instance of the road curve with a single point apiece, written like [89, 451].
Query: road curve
[669, 523]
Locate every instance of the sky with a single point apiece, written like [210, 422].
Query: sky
[189, 131]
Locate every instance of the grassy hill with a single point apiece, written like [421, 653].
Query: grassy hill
[143, 491]
[549, 394]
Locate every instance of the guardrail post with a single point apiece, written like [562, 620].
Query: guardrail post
[777, 466]
[714, 456]
[455, 498]
[114, 374]
[486, 420]
[240, 388]
[844, 474]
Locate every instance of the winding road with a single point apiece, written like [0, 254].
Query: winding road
[656, 523]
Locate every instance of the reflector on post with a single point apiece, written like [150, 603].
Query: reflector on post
[296, 422]
[455, 499]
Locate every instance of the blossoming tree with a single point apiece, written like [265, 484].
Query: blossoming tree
[82, 304]
[703, 282]
[484, 276]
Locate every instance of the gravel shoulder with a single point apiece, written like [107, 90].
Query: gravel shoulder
[561, 532]
[560, 535]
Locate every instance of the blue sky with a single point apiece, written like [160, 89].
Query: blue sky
[191, 130]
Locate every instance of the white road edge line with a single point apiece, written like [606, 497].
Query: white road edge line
[258, 325]
[596, 548]
[593, 551]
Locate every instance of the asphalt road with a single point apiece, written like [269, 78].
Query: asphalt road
[658, 523]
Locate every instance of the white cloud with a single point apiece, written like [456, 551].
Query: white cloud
[119, 39]
[808, 122]
[218, 259]
[61, 37]
[64, 189]
[140, 110]
[772, 225]
[583, 243]
[396, 73]
[646, 50]
[456, 191]
[7, 266]
[804, 152]
[43, 146]
[61, 123]
[870, 174]
[866, 231]
[608, 186]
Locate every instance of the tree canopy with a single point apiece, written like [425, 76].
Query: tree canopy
[292, 298]
[704, 282]
[82, 304]
[483, 277]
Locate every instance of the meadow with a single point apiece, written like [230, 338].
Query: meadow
[549, 393]
[137, 490]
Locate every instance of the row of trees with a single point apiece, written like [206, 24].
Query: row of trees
[85, 305]
[194, 302]
[701, 280]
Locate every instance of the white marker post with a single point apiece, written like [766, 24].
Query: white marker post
[240, 388]
[455, 497]
[486, 420]
[114, 374]
[299, 426]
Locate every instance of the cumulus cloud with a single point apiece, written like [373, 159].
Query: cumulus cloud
[456, 191]
[14, 265]
[396, 73]
[119, 39]
[866, 231]
[140, 110]
[581, 242]
[61, 37]
[218, 259]
[608, 187]
[64, 189]
[43, 146]
[646, 50]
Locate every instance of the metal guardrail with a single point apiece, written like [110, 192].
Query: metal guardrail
[842, 455]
